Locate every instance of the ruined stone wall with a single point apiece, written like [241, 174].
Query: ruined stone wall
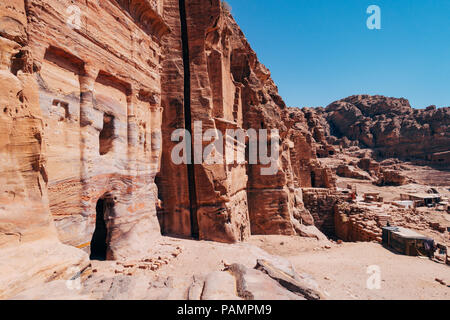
[88, 112]
[335, 215]
[321, 203]
[353, 223]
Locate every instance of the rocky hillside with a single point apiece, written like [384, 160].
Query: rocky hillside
[390, 126]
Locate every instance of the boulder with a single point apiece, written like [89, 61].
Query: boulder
[253, 284]
[220, 285]
[292, 282]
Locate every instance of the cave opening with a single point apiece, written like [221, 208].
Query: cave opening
[313, 179]
[160, 204]
[98, 243]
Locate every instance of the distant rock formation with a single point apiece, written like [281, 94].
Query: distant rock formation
[391, 127]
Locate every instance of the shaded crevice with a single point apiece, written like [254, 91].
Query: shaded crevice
[188, 121]
[98, 243]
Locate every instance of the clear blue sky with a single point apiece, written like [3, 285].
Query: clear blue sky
[320, 51]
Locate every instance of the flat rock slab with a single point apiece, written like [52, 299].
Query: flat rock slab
[253, 284]
[33, 264]
[220, 285]
[293, 283]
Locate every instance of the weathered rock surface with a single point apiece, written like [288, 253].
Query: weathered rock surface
[80, 122]
[54, 290]
[99, 97]
[349, 171]
[33, 263]
[227, 88]
[29, 247]
[392, 178]
[290, 280]
[219, 286]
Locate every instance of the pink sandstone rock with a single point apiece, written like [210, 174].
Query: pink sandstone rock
[87, 113]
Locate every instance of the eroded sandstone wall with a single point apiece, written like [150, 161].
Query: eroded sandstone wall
[175, 216]
[30, 251]
[89, 111]
[200, 200]
[81, 121]
[24, 211]
[228, 88]
[100, 94]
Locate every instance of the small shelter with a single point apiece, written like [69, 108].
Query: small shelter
[405, 241]
[422, 199]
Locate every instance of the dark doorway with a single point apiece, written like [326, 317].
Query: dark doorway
[98, 242]
[313, 179]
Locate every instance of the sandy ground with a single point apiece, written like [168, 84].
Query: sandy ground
[428, 175]
[341, 271]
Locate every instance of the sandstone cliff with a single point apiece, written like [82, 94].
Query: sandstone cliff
[88, 107]
[30, 251]
[225, 87]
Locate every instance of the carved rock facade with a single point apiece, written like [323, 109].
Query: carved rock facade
[88, 108]
[225, 87]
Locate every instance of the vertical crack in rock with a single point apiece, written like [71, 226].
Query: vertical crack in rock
[188, 120]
